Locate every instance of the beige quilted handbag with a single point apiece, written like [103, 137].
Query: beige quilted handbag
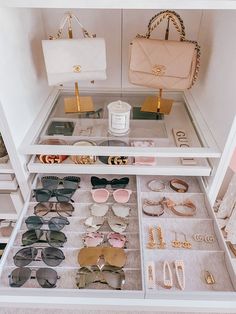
[164, 64]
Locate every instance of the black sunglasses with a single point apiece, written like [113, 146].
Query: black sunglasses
[53, 238]
[46, 277]
[62, 195]
[50, 255]
[98, 183]
[55, 223]
[63, 209]
[52, 182]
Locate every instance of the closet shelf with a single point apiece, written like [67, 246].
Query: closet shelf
[9, 185]
[7, 208]
[6, 168]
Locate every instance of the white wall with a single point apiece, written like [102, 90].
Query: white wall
[214, 91]
[23, 87]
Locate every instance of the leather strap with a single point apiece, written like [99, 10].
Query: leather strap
[171, 205]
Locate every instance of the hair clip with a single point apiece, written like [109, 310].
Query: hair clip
[151, 276]
[167, 275]
[151, 238]
[209, 278]
[180, 273]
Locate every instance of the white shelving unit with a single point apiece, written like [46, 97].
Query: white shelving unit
[208, 114]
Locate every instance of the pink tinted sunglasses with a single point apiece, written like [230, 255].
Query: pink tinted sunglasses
[102, 195]
[115, 239]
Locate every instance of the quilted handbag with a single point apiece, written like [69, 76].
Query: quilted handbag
[164, 64]
[70, 60]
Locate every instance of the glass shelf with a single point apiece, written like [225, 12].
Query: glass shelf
[150, 142]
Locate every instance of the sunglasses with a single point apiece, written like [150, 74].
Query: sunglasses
[118, 210]
[98, 183]
[53, 238]
[55, 223]
[102, 195]
[117, 224]
[113, 256]
[113, 276]
[52, 182]
[62, 195]
[50, 255]
[96, 238]
[63, 209]
[46, 277]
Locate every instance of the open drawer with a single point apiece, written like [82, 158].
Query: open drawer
[135, 294]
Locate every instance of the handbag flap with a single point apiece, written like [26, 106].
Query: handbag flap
[162, 57]
[62, 55]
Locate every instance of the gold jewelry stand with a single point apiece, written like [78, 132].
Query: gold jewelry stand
[156, 103]
[77, 103]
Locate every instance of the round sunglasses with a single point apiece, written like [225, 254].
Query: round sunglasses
[49, 255]
[102, 195]
[55, 223]
[46, 277]
[63, 209]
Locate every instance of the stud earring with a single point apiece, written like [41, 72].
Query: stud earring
[198, 237]
[176, 243]
[151, 238]
[209, 238]
[209, 278]
[186, 244]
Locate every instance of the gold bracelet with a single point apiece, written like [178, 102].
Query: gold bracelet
[171, 205]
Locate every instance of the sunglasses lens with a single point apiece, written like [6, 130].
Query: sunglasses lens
[119, 183]
[46, 277]
[94, 223]
[121, 195]
[57, 223]
[71, 182]
[116, 239]
[99, 210]
[50, 182]
[117, 224]
[19, 276]
[100, 195]
[31, 236]
[93, 239]
[41, 209]
[64, 209]
[114, 256]
[34, 222]
[120, 210]
[25, 256]
[98, 183]
[89, 256]
[52, 256]
[42, 195]
[115, 277]
[64, 195]
[56, 238]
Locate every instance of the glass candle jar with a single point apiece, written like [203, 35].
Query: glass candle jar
[119, 117]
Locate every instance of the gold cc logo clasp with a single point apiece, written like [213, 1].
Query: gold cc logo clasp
[77, 68]
[158, 69]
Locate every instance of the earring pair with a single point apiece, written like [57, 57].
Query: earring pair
[208, 238]
[179, 271]
[181, 244]
[152, 243]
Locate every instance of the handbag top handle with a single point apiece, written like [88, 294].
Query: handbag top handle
[172, 16]
[67, 20]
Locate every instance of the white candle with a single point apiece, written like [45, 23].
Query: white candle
[119, 116]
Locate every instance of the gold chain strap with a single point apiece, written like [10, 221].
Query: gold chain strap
[178, 23]
[67, 19]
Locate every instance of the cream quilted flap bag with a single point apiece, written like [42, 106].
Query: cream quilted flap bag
[69, 60]
[165, 64]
